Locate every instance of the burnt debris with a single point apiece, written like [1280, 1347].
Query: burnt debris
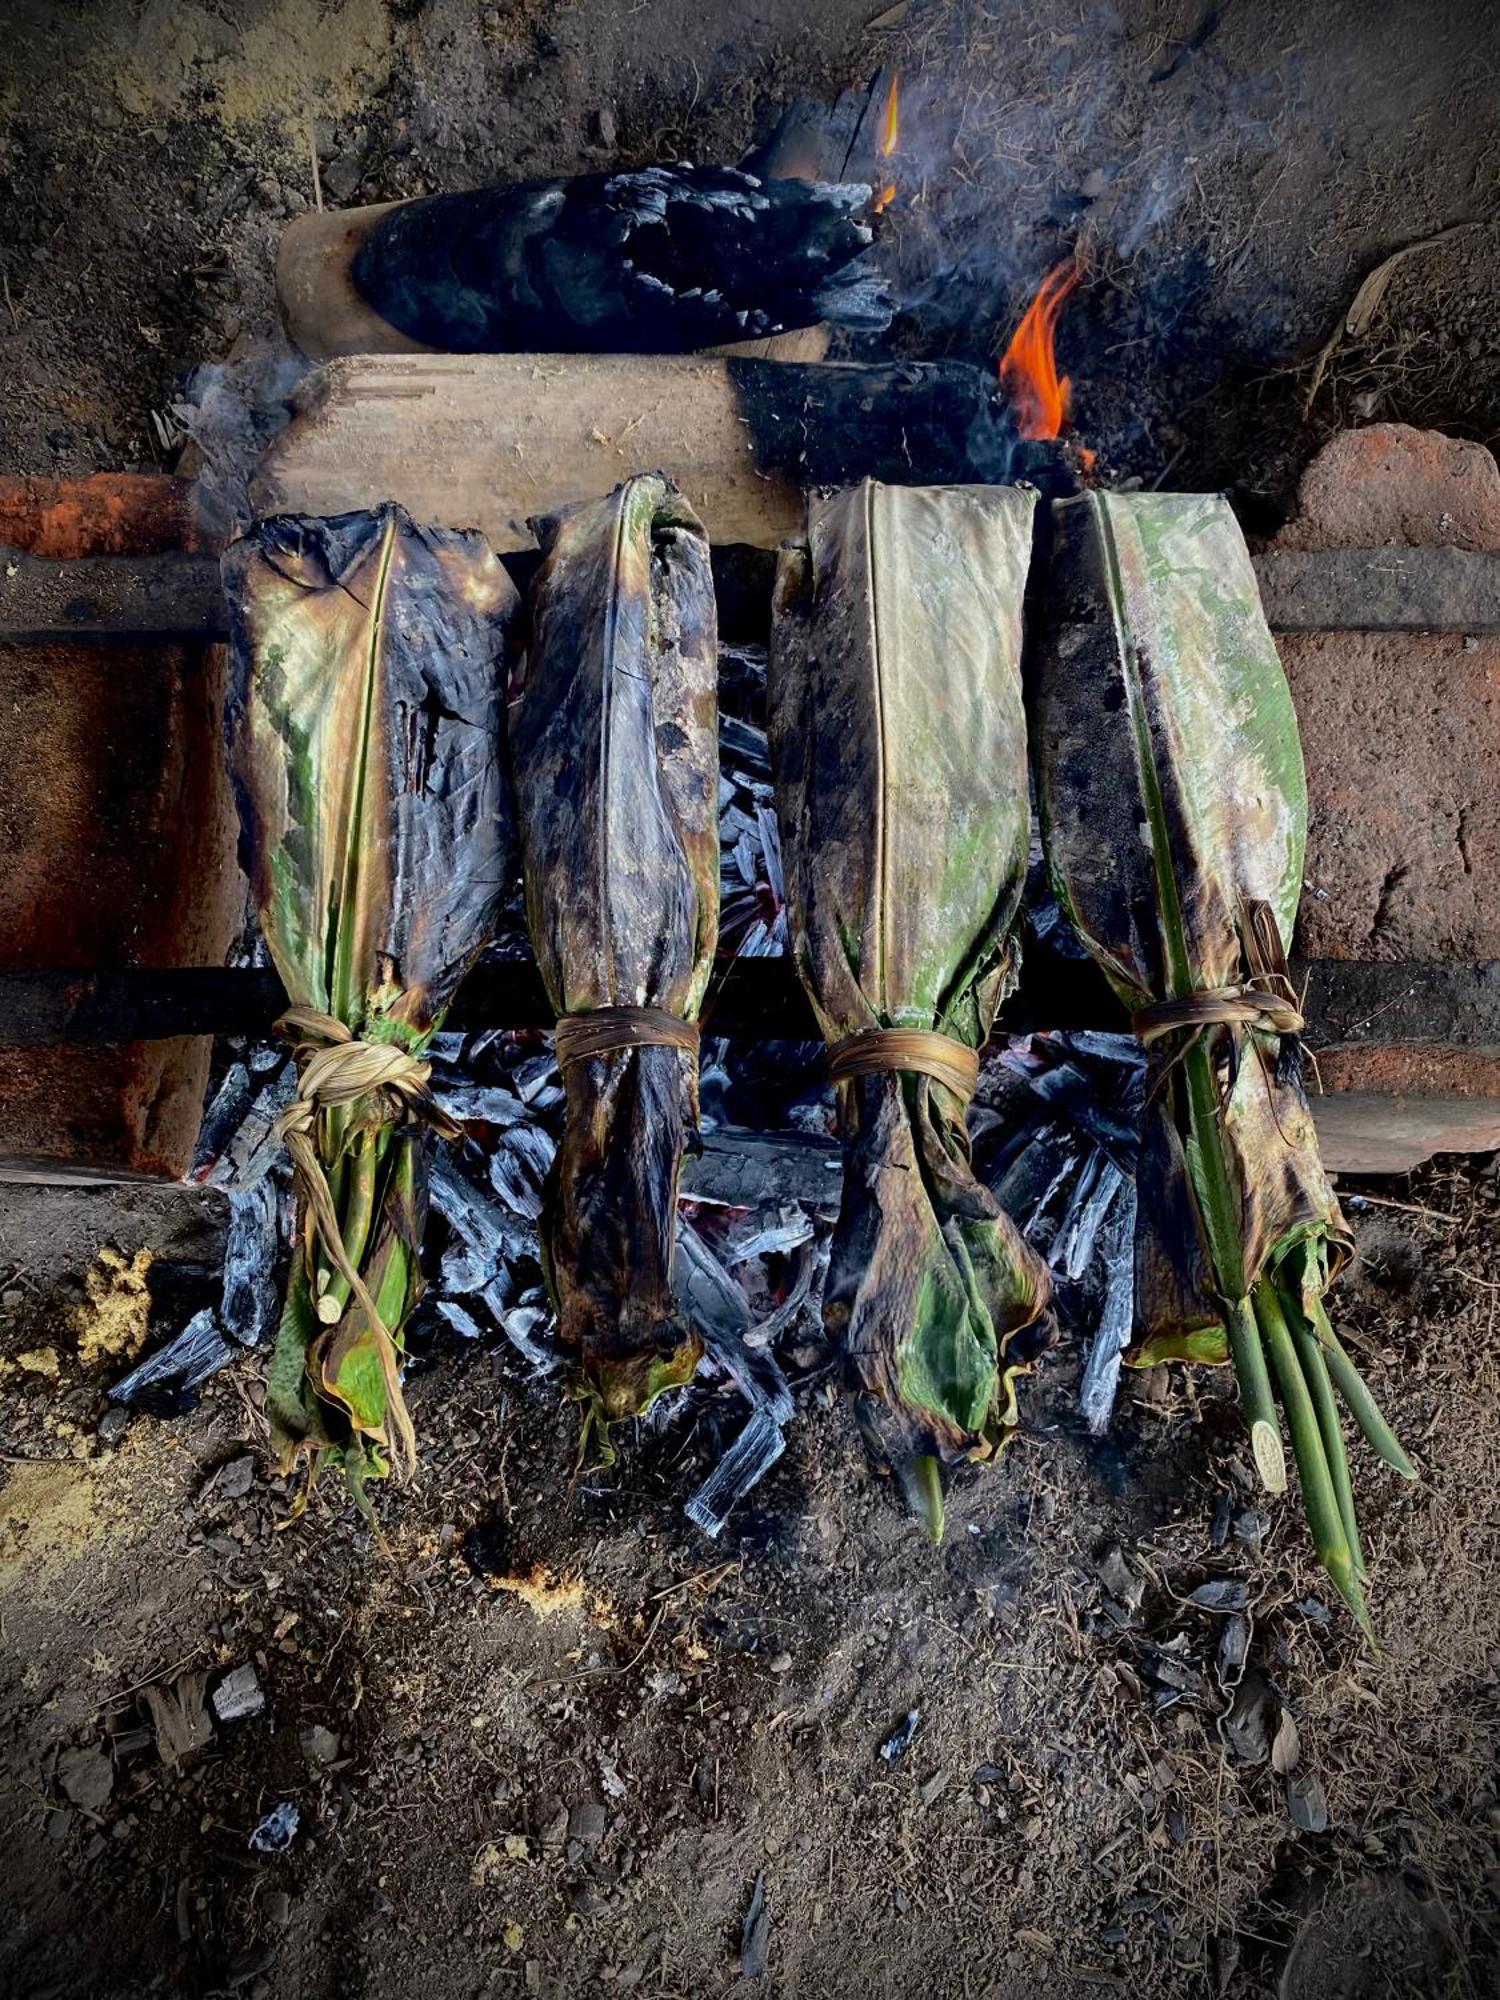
[661, 261]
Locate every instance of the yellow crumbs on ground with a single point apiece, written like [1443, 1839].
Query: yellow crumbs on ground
[543, 1591]
[112, 1323]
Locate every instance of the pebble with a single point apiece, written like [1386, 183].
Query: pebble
[320, 1745]
[113, 1424]
[782, 1664]
[587, 1822]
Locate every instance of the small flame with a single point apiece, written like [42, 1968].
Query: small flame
[1028, 368]
[890, 139]
[890, 130]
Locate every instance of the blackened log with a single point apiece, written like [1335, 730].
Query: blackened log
[913, 423]
[660, 261]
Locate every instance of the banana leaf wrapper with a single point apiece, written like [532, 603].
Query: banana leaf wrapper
[615, 746]
[898, 743]
[365, 742]
[1174, 817]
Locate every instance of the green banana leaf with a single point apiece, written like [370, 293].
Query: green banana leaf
[898, 742]
[615, 746]
[1174, 817]
[365, 742]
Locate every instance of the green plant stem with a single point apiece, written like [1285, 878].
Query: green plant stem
[1256, 1399]
[1318, 1495]
[354, 1204]
[1320, 1388]
[1362, 1405]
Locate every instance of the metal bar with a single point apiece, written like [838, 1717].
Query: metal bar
[1455, 1003]
[1380, 590]
[109, 600]
[122, 599]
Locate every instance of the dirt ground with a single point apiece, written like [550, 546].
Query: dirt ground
[547, 1739]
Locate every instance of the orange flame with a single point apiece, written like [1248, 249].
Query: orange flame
[890, 139]
[1028, 368]
[890, 130]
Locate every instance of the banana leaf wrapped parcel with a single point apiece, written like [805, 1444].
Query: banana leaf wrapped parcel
[1174, 817]
[365, 739]
[615, 746]
[898, 743]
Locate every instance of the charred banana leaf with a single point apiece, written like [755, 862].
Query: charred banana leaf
[615, 748]
[365, 739]
[899, 743]
[1174, 816]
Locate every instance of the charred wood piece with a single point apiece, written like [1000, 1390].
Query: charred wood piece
[660, 261]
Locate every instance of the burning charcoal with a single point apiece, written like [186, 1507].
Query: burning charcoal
[199, 1351]
[1174, 812]
[746, 1462]
[488, 1232]
[521, 1325]
[277, 1831]
[1066, 1168]
[365, 729]
[616, 757]
[519, 1167]
[460, 1272]
[251, 1247]
[660, 261]
[1112, 1328]
[471, 1103]
[896, 1745]
[222, 1118]
[463, 1323]
[899, 744]
[238, 1696]
[717, 1307]
[253, 1147]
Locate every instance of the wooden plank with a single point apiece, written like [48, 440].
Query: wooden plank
[326, 316]
[489, 441]
[1380, 590]
[109, 599]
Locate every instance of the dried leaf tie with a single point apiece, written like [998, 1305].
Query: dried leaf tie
[1266, 1002]
[604, 1029]
[337, 1070]
[875, 1050]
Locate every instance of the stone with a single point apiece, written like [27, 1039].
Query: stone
[87, 1776]
[320, 1745]
[587, 1822]
[1391, 483]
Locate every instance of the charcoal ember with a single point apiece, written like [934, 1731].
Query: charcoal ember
[1057, 1142]
[248, 1306]
[659, 261]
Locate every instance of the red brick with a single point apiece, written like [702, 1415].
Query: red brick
[1390, 483]
[117, 829]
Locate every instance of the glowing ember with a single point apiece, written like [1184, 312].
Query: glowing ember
[890, 139]
[1028, 368]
